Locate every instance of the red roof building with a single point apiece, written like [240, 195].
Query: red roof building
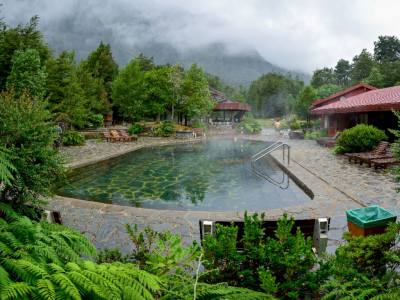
[226, 110]
[359, 104]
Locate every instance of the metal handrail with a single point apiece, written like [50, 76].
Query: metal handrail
[264, 152]
[266, 149]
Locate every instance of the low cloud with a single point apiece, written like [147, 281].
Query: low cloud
[300, 35]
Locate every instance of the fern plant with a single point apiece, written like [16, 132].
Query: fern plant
[6, 167]
[39, 260]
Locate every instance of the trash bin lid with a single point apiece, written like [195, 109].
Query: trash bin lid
[371, 216]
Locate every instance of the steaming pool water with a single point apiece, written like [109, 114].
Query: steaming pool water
[214, 175]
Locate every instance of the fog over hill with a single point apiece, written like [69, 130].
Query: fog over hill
[168, 35]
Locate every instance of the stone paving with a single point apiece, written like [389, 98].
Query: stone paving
[337, 186]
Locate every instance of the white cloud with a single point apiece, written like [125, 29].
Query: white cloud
[301, 35]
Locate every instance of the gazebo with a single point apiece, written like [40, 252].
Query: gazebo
[227, 112]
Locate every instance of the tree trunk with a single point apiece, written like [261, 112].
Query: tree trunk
[158, 117]
[172, 112]
[185, 120]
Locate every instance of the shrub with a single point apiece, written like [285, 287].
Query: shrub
[359, 138]
[313, 135]
[165, 128]
[282, 265]
[73, 138]
[135, 128]
[294, 125]
[28, 135]
[96, 120]
[365, 267]
[250, 125]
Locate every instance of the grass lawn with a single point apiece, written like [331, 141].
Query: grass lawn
[266, 123]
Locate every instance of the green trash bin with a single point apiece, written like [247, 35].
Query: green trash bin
[369, 220]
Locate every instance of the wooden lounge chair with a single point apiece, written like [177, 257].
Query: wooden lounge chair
[384, 162]
[115, 137]
[126, 136]
[328, 141]
[380, 151]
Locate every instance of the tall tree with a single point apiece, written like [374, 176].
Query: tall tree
[387, 48]
[375, 78]
[304, 101]
[269, 95]
[127, 91]
[322, 76]
[327, 89]
[21, 37]
[101, 64]
[197, 101]
[362, 66]
[66, 97]
[27, 74]
[342, 73]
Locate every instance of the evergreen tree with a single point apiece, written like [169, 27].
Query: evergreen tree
[342, 73]
[101, 64]
[127, 91]
[375, 78]
[66, 97]
[327, 89]
[27, 74]
[322, 76]
[21, 37]
[362, 66]
[387, 48]
[304, 101]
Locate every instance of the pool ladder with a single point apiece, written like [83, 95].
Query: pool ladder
[284, 182]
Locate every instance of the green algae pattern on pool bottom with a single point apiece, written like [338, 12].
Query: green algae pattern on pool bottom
[212, 175]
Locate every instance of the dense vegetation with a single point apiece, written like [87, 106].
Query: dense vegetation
[380, 69]
[359, 138]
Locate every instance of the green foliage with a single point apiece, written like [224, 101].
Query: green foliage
[365, 267]
[375, 78]
[6, 167]
[27, 75]
[21, 38]
[196, 99]
[327, 89]
[164, 128]
[135, 128]
[250, 125]
[305, 99]
[314, 135]
[342, 73]
[359, 138]
[324, 76]
[282, 265]
[96, 120]
[43, 261]
[73, 138]
[28, 135]
[362, 66]
[101, 65]
[162, 253]
[272, 94]
[67, 100]
[387, 48]
[110, 256]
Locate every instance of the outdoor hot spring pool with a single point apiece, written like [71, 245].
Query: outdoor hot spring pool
[214, 175]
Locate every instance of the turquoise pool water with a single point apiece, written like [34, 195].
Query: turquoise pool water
[214, 175]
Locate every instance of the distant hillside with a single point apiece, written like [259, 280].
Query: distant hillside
[234, 69]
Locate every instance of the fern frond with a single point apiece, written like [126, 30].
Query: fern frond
[17, 290]
[391, 295]
[45, 289]
[66, 284]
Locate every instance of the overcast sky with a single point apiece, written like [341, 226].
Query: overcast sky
[301, 35]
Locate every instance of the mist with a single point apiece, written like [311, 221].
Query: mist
[301, 35]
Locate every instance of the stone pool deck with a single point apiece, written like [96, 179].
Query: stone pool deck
[337, 186]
